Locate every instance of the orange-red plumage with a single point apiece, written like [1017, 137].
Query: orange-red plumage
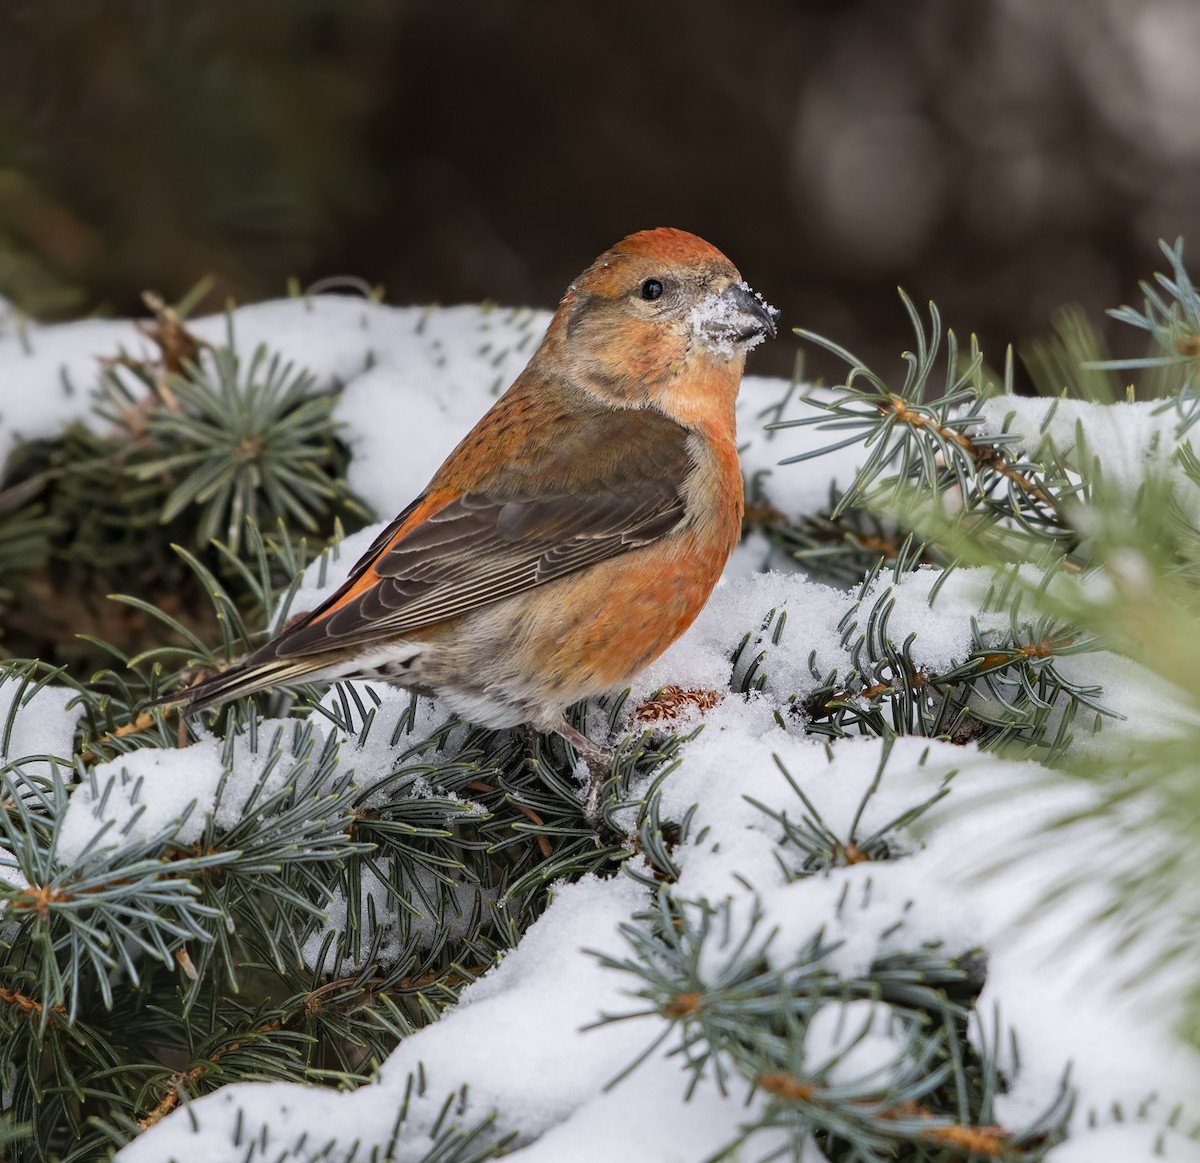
[577, 529]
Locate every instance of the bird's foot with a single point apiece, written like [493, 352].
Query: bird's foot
[530, 735]
[599, 762]
[598, 776]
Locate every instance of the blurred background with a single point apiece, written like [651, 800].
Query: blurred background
[1002, 157]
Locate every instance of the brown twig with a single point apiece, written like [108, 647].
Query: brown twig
[543, 841]
[763, 513]
[37, 899]
[683, 1005]
[992, 660]
[1044, 648]
[314, 1000]
[170, 1100]
[177, 348]
[185, 1079]
[26, 1004]
[143, 720]
[177, 345]
[785, 1086]
[981, 457]
[991, 1141]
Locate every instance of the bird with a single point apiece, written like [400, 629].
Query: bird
[575, 532]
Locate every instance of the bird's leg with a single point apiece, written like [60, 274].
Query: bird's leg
[530, 735]
[599, 762]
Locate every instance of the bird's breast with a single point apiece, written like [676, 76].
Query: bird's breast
[714, 497]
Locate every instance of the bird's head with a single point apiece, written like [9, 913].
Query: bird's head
[661, 312]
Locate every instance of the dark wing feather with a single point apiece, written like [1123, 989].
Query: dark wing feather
[478, 550]
[613, 482]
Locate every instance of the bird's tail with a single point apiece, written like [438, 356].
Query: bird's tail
[244, 678]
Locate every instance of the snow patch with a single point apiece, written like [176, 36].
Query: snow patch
[34, 725]
[152, 791]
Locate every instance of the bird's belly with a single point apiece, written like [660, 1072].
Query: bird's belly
[532, 655]
[606, 626]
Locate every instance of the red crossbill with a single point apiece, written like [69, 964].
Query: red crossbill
[577, 529]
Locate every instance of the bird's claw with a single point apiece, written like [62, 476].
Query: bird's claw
[598, 775]
[599, 761]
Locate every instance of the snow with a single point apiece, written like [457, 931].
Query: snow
[471, 353]
[1118, 1142]
[626, 1123]
[721, 320]
[812, 645]
[374, 758]
[55, 368]
[803, 488]
[971, 872]
[520, 1039]
[151, 792]
[1129, 439]
[37, 727]
[385, 357]
[519, 1042]
[855, 1042]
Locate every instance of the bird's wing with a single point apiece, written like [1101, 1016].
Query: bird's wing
[446, 556]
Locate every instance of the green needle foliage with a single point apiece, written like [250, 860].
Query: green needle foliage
[1170, 314]
[927, 436]
[1094, 547]
[254, 442]
[733, 1013]
[207, 935]
[180, 449]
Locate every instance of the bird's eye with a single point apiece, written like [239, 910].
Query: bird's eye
[652, 289]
